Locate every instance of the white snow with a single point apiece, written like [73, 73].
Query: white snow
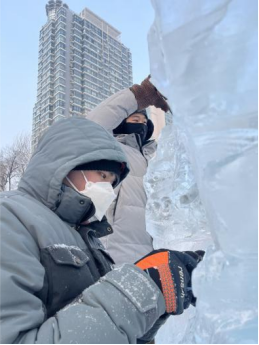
[71, 250]
[203, 57]
[61, 245]
[138, 291]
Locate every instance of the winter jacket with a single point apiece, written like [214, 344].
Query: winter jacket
[130, 240]
[54, 282]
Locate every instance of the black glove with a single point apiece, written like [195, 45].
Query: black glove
[198, 256]
[171, 271]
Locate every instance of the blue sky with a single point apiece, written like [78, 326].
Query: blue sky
[21, 21]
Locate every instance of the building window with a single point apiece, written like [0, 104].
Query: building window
[77, 59]
[62, 12]
[61, 52]
[60, 66]
[77, 66]
[61, 32]
[60, 59]
[76, 52]
[61, 25]
[76, 87]
[77, 73]
[59, 104]
[59, 111]
[77, 39]
[77, 80]
[61, 19]
[77, 46]
[77, 94]
[60, 38]
[59, 88]
[76, 108]
[57, 118]
[61, 81]
[77, 101]
[60, 95]
[61, 45]
[78, 19]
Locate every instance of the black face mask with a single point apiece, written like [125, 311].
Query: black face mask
[73, 207]
[137, 128]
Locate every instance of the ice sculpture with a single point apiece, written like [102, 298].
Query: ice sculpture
[203, 57]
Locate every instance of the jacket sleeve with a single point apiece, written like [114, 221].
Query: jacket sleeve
[119, 308]
[112, 111]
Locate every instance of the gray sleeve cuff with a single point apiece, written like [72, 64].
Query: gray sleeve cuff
[137, 287]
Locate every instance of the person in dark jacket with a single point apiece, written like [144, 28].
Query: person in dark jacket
[58, 284]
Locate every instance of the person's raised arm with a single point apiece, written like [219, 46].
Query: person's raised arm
[112, 111]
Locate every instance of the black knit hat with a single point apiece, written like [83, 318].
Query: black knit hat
[105, 165]
[142, 111]
[150, 129]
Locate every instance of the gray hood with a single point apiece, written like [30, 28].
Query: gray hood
[66, 144]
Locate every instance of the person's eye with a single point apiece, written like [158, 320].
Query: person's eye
[103, 175]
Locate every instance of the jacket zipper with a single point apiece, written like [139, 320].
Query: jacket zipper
[115, 206]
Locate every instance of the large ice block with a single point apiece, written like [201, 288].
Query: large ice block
[203, 57]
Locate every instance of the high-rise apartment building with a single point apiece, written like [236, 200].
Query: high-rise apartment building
[81, 62]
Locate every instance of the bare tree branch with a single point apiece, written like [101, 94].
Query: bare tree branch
[13, 161]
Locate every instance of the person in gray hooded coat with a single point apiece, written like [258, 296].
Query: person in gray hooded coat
[122, 114]
[58, 285]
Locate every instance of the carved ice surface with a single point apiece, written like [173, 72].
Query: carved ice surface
[174, 210]
[203, 57]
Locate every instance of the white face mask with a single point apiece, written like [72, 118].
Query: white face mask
[101, 194]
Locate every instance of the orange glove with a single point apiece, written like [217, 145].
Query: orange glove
[171, 271]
